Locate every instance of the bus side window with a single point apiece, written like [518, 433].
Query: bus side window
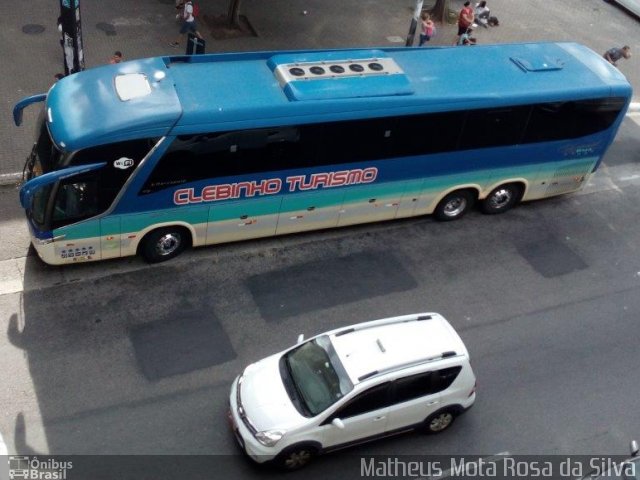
[427, 133]
[494, 127]
[355, 141]
[225, 154]
[564, 120]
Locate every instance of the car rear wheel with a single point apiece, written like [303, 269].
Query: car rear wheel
[439, 421]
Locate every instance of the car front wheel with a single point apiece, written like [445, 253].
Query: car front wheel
[294, 458]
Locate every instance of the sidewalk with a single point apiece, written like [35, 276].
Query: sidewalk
[144, 28]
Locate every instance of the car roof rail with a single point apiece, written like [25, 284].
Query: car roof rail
[386, 321]
[402, 366]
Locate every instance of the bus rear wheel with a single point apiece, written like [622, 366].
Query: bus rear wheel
[164, 244]
[454, 205]
[501, 199]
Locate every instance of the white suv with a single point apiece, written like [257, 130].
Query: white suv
[352, 385]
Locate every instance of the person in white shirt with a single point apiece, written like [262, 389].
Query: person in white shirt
[188, 23]
[482, 14]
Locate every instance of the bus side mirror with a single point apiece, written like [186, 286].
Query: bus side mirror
[634, 448]
[300, 338]
[336, 422]
[25, 102]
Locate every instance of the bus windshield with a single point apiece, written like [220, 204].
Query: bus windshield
[81, 196]
[39, 205]
[45, 156]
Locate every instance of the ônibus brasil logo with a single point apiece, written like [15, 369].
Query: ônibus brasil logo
[32, 468]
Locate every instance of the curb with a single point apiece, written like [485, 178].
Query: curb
[15, 178]
[10, 178]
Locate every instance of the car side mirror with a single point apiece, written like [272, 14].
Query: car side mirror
[301, 338]
[337, 423]
[634, 448]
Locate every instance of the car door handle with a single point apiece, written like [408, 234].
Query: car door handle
[377, 419]
[433, 402]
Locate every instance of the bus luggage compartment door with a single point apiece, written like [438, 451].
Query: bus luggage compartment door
[309, 211]
[110, 237]
[370, 203]
[250, 218]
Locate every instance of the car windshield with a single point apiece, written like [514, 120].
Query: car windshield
[317, 374]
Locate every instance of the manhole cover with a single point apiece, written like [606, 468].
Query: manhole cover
[32, 29]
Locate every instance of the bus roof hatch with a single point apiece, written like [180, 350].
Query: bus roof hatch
[538, 64]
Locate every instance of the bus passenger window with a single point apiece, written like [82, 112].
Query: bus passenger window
[355, 141]
[564, 120]
[428, 133]
[494, 128]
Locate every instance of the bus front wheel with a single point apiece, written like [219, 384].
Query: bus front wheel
[501, 199]
[454, 205]
[164, 244]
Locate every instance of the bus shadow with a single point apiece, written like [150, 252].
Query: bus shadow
[625, 149]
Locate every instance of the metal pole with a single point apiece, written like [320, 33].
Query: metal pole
[414, 23]
[71, 36]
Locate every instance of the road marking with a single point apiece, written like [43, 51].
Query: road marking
[12, 275]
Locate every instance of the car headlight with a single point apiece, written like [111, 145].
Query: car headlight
[270, 437]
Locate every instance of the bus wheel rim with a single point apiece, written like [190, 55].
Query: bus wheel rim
[167, 244]
[501, 198]
[455, 207]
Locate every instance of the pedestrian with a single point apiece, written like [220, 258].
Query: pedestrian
[427, 28]
[614, 54]
[116, 57]
[482, 13]
[188, 23]
[466, 38]
[179, 9]
[465, 21]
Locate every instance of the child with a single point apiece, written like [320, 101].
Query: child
[427, 28]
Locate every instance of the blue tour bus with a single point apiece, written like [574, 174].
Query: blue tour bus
[151, 156]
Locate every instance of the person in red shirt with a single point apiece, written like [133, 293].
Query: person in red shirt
[465, 20]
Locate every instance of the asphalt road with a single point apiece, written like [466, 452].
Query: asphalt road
[124, 358]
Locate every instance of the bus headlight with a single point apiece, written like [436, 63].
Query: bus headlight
[269, 438]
